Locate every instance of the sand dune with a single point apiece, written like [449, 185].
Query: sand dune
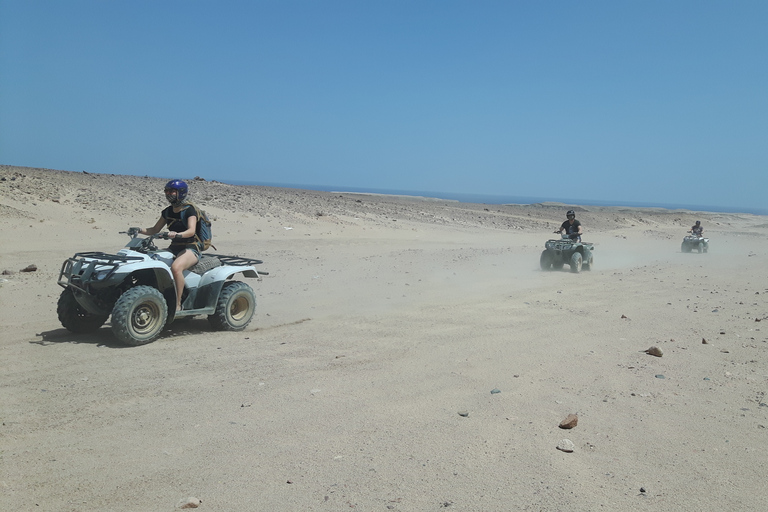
[382, 318]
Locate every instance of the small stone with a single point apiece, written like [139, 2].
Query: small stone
[191, 502]
[704, 341]
[660, 376]
[625, 317]
[495, 391]
[29, 268]
[569, 422]
[724, 351]
[566, 445]
[654, 351]
[464, 414]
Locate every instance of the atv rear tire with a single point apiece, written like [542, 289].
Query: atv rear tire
[139, 315]
[576, 261]
[74, 317]
[235, 307]
[545, 261]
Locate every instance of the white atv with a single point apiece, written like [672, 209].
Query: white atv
[136, 286]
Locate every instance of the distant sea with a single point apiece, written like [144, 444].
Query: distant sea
[504, 199]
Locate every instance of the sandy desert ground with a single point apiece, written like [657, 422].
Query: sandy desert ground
[381, 319]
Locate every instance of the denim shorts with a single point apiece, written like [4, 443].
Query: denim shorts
[178, 249]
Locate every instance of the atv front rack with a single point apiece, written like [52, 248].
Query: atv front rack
[79, 269]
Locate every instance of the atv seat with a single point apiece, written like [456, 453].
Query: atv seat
[205, 264]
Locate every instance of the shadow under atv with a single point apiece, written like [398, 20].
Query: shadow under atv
[185, 326]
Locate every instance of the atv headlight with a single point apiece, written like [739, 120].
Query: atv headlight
[101, 275]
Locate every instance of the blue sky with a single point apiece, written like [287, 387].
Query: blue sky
[619, 101]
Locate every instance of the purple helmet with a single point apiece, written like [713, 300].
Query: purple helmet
[181, 191]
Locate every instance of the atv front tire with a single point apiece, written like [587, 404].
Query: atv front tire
[235, 307]
[74, 317]
[545, 261]
[587, 265]
[576, 261]
[139, 315]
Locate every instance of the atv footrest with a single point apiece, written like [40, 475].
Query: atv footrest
[194, 312]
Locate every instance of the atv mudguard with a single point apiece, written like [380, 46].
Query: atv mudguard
[205, 294]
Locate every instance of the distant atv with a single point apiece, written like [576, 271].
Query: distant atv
[565, 251]
[136, 287]
[693, 241]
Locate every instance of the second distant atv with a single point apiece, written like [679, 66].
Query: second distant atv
[565, 251]
[694, 242]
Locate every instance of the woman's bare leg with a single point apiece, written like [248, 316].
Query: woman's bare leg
[183, 261]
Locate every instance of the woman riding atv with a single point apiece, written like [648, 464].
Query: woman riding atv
[181, 219]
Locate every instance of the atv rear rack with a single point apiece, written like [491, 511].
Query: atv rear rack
[237, 261]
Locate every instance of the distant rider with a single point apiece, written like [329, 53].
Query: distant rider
[571, 227]
[697, 229]
[184, 244]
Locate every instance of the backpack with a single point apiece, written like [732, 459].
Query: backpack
[203, 232]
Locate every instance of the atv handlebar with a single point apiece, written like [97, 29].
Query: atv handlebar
[134, 234]
[142, 244]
